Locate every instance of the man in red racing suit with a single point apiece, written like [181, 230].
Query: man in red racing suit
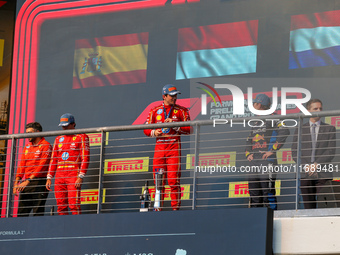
[69, 163]
[168, 143]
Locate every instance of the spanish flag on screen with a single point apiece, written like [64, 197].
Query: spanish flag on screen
[110, 60]
[315, 40]
[217, 50]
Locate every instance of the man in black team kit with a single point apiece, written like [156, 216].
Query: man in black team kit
[265, 138]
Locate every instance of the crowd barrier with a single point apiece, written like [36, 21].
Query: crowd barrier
[214, 170]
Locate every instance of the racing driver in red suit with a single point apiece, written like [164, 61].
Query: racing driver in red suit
[167, 155]
[69, 163]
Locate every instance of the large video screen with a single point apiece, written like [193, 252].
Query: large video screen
[133, 48]
[315, 40]
[107, 61]
[110, 60]
[217, 50]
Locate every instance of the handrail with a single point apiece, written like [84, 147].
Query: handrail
[119, 192]
[160, 125]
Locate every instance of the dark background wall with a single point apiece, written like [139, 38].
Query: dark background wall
[113, 105]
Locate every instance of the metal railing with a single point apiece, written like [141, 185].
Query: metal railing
[121, 162]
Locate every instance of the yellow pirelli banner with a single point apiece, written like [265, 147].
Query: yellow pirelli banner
[284, 156]
[90, 196]
[96, 139]
[126, 165]
[212, 159]
[334, 121]
[185, 192]
[240, 189]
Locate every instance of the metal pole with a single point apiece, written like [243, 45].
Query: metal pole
[101, 170]
[197, 140]
[11, 171]
[298, 163]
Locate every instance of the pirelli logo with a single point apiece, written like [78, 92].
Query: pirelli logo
[126, 165]
[185, 192]
[90, 196]
[284, 156]
[240, 189]
[212, 159]
[96, 139]
[334, 121]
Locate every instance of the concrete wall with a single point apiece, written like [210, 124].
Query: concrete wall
[307, 232]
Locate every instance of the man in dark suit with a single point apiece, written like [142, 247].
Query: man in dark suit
[317, 151]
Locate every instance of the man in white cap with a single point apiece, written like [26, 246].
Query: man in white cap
[167, 157]
[69, 163]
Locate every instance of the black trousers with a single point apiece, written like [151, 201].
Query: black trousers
[261, 190]
[317, 193]
[33, 197]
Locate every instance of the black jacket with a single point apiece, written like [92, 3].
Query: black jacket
[270, 137]
[325, 146]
